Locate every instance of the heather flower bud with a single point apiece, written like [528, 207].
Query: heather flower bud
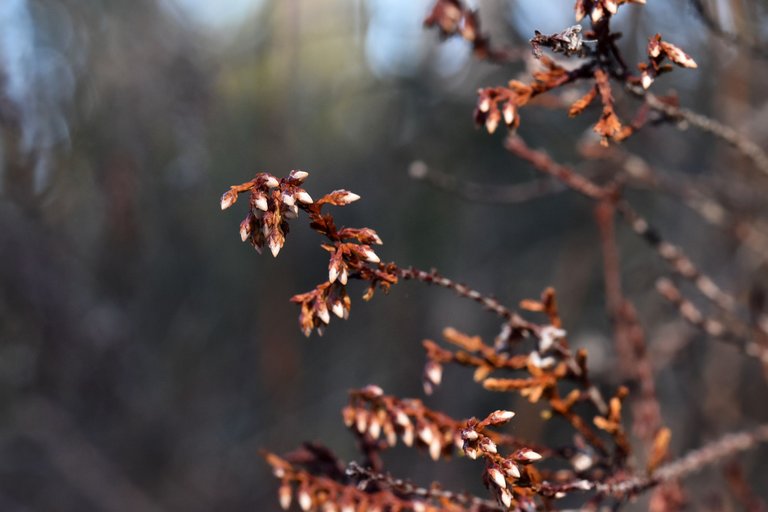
[260, 202]
[426, 435]
[228, 199]
[435, 448]
[469, 434]
[298, 175]
[288, 200]
[271, 182]
[284, 494]
[305, 500]
[373, 391]
[528, 455]
[304, 197]
[497, 477]
[338, 309]
[505, 497]
[245, 227]
[274, 247]
[487, 445]
[500, 416]
[471, 451]
[509, 114]
[433, 372]
[510, 468]
[370, 256]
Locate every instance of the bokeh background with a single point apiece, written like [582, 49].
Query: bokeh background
[146, 355]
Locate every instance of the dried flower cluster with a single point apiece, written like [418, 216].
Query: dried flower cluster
[597, 466]
[601, 62]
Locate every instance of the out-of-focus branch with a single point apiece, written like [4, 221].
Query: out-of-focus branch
[735, 39]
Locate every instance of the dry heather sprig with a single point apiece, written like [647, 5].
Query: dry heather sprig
[601, 62]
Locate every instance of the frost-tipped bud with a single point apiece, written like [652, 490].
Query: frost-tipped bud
[245, 227]
[338, 309]
[487, 445]
[678, 56]
[500, 416]
[260, 202]
[350, 197]
[469, 434]
[402, 419]
[510, 469]
[527, 455]
[505, 497]
[284, 494]
[471, 451]
[497, 477]
[433, 372]
[305, 500]
[370, 256]
[373, 391]
[228, 199]
[289, 200]
[374, 427]
[333, 273]
[435, 448]
[271, 182]
[408, 436]
[646, 80]
[304, 197]
[298, 175]
[323, 314]
[509, 114]
[426, 435]
[274, 247]
[485, 104]
[343, 276]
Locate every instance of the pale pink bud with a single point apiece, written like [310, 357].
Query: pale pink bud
[228, 199]
[509, 114]
[373, 391]
[497, 477]
[510, 468]
[610, 6]
[343, 276]
[646, 80]
[274, 247]
[271, 182]
[500, 416]
[374, 428]
[370, 256]
[298, 175]
[471, 451]
[408, 436]
[426, 434]
[304, 197]
[333, 273]
[323, 314]
[485, 104]
[305, 500]
[338, 309]
[597, 13]
[487, 445]
[284, 494]
[261, 203]
[530, 455]
[469, 434]
[288, 200]
[435, 448]
[245, 228]
[506, 497]
[433, 371]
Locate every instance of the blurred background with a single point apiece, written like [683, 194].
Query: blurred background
[146, 355]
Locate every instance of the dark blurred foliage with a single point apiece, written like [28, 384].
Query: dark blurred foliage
[146, 355]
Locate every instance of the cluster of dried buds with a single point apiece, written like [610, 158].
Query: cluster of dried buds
[496, 105]
[373, 414]
[314, 492]
[658, 52]
[510, 477]
[598, 10]
[273, 202]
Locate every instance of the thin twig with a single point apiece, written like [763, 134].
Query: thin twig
[357, 472]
